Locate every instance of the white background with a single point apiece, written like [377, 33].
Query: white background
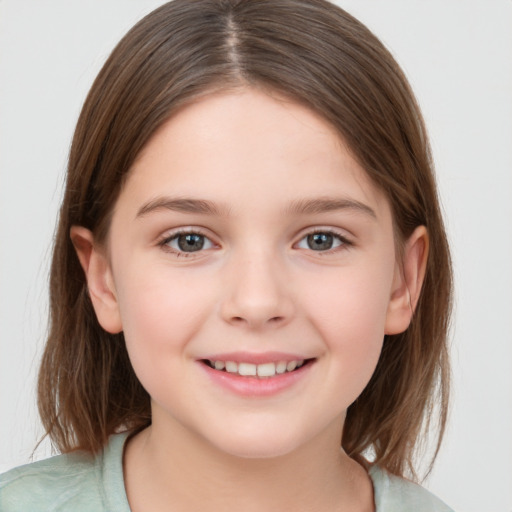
[458, 56]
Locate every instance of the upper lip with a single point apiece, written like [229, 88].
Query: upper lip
[256, 358]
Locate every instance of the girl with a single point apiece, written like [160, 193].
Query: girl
[250, 270]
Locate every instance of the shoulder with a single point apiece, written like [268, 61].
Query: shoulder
[76, 481]
[395, 494]
[53, 484]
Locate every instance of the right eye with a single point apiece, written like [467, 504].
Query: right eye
[187, 242]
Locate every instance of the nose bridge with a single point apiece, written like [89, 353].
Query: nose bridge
[258, 292]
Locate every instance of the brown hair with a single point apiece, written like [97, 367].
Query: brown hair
[317, 54]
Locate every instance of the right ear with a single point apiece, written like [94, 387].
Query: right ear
[99, 278]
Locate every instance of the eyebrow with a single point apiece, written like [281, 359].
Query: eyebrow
[300, 207]
[184, 205]
[329, 204]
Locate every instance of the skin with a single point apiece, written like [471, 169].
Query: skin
[257, 285]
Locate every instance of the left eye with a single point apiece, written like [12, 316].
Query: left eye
[189, 242]
[321, 241]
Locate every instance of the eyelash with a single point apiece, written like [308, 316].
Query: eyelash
[164, 243]
[344, 243]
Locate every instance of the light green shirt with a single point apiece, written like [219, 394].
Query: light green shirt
[78, 482]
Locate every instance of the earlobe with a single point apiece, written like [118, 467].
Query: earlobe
[407, 282]
[99, 278]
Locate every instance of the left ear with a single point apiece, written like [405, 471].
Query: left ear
[407, 282]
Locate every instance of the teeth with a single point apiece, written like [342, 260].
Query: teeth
[261, 370]
[281, 367]
[266, 370]
[246, 369]
[231, 367]
[291, 366]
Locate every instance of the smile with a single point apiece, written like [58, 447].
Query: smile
[265, 370]
[257, 375]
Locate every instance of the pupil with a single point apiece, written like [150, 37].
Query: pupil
[190, 242]
[320, 241]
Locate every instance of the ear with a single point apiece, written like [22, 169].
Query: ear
[407, 282]
[99, 279]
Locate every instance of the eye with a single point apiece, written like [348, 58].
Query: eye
[322, 241]
[186, 242]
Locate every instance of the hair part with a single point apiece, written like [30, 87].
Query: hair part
[318, 55]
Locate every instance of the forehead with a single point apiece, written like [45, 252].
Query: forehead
[239, 145]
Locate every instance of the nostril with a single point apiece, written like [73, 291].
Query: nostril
[272, 320]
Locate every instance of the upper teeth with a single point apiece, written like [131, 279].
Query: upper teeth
[260, 370]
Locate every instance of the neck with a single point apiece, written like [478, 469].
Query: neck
[189, 473]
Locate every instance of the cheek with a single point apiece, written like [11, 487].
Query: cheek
[352, 300]
[350, 315]
[160, 314]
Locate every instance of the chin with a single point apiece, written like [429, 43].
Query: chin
[264, 444]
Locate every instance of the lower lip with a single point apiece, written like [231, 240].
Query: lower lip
[254, 386]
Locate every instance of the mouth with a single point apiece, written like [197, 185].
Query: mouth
[262, 371]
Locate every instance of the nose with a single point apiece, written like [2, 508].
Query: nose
[257, 293]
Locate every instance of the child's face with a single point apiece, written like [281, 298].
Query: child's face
[246, 233]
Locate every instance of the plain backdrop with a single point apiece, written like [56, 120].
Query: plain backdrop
[458, 57]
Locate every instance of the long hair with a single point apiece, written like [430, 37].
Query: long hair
[320, 56]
